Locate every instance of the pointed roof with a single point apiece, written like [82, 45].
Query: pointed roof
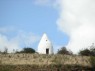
[44, 44]
[44, 40]
[44, 36]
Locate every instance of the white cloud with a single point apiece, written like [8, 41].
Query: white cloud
[77, 19]
[16, 42]
[28, 38]
[10, 44]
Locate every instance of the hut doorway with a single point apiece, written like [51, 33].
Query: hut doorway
[47, 51]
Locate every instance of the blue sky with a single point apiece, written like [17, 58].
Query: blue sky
[24, 18]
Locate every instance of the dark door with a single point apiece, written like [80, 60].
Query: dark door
[47, 51]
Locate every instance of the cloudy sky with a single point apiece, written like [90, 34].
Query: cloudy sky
[23, 22]
[67, 23]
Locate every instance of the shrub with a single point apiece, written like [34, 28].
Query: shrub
[85, 52]
[63, 50]
[27, 50]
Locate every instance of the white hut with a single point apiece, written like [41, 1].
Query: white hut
[45, 45]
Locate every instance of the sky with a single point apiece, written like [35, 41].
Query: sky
[23, 22]
[77, 19]
[69, 23]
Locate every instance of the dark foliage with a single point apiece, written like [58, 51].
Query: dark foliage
[87, 52]
[92, 51]
[63, 50]
[27, 50]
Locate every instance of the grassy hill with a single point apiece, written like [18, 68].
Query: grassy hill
[44, 61]
[38, 59]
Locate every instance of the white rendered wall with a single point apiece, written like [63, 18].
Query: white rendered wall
[44, 44]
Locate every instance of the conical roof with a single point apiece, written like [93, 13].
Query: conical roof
[45, 39]
[44, 44]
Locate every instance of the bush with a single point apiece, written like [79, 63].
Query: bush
[63, 50]
[92, 51]
[27, 50]
[85, 52]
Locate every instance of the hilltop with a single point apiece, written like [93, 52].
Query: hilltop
[38, 59]
[43, 62]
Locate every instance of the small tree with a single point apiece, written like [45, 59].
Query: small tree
[0, 51]
[85, 52]
[5, 50]
[88, 52]
[92, 51]
[27, 50]
[63, 50]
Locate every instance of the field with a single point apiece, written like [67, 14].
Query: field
[37, 61]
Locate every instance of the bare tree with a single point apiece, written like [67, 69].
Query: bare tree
[5, 50]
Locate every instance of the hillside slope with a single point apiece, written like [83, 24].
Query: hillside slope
[37, 59]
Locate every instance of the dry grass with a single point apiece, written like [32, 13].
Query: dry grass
[37, 59]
